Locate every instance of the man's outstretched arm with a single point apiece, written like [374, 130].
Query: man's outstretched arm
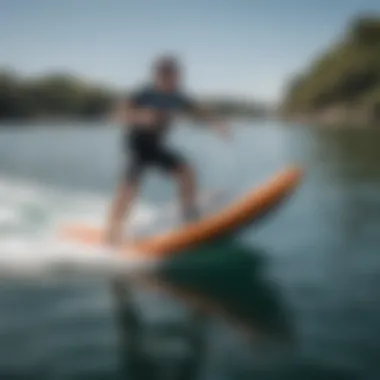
[202, 115]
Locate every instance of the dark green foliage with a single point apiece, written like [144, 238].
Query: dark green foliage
[66, 96]
[348, 74]
[56, 95]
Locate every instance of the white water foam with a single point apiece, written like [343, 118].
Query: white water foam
[44, 260]
[9, 217]
[31, 214]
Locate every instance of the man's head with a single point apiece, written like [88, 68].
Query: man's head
[166, 73]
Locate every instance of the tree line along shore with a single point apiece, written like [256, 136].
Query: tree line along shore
[64, 96]
[342, 85]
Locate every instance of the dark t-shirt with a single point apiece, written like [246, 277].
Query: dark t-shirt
[149, 97]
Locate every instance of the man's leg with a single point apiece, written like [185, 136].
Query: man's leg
[177, 166]
[187, 192]
[122, 202]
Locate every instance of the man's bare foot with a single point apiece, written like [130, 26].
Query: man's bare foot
[113, 239]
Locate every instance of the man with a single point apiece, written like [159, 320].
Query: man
[148, 113]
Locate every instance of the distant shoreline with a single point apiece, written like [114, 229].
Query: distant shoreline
[62, 97]
[334, 118]
[95, 121]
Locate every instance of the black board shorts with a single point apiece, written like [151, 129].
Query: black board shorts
[145, 150]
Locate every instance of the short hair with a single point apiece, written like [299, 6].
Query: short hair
[166, 62]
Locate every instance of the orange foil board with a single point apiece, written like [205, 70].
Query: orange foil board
[233, 217]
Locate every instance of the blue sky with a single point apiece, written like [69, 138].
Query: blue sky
[240, 47]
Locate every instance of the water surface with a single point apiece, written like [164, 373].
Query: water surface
[320, 251]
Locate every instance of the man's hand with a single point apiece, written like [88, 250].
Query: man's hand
[147, 116]
[125, 112]
[144, 117]
[200, 115]
[222, 129]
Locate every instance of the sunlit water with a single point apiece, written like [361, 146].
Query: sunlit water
[321, 249]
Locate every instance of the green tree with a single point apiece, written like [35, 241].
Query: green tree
[348, 73]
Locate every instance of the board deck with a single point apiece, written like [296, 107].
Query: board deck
[232, 218]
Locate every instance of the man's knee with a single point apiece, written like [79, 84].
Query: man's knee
[124, 195]
[185, 174]
[133, 174]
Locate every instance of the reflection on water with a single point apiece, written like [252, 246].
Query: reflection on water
[230, 276]
[68, 326]
[224, 278]
[351, 177]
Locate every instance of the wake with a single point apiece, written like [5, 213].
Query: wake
[45, 260]
[30, 216]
